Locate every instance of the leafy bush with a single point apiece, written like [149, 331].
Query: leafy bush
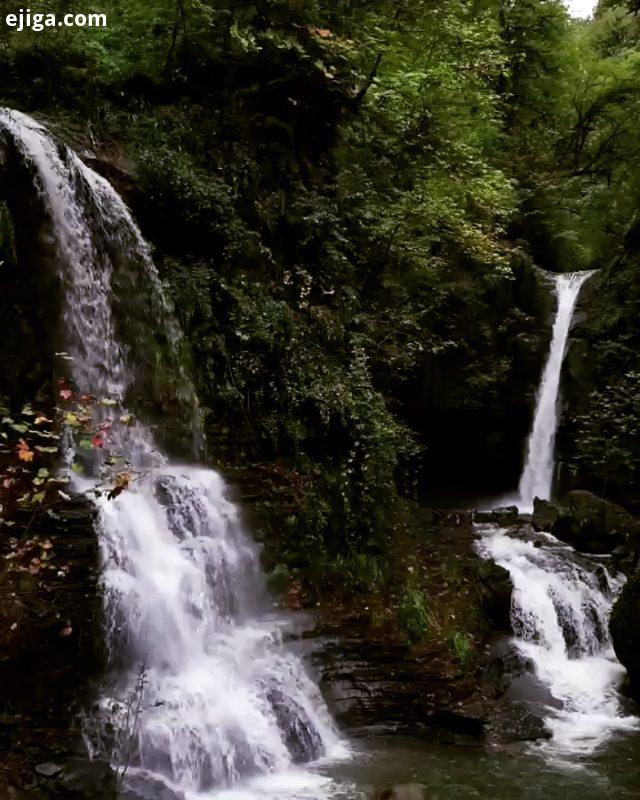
[461, 646]
[413, 614]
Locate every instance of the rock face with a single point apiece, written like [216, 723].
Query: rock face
[624, 627]
[588, 522]
[496, 594]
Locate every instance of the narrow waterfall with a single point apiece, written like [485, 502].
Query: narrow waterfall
[193, 648]
[559, 611]
[537, 475]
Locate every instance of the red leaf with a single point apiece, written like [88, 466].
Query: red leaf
[25, 453]
[66, 394]
[97, 440]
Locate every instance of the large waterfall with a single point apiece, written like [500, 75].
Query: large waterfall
[203, 694]
[561, 600]
[537, 476]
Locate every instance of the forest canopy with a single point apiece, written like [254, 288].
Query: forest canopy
[346, 201]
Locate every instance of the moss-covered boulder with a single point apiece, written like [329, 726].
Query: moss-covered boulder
[624, 627]
[590, 523]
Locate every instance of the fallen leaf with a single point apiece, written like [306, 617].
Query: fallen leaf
[25, 453]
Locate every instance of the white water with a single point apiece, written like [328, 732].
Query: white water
[560, 605]
[560, 611]
[223, 700]
[537, 475]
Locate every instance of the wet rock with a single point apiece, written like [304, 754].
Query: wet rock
[589, 523]
[623, 559]
[545, 515]
[624, 626]
[302, 739]
[506, 515]
[517, 723]
[48, 769]
[405, 791]
[496, 591]
[83, 778]
[146, 789]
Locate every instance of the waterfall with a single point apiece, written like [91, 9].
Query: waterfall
[560, 610]
[561, 600]
[537, 475]
[203, 694]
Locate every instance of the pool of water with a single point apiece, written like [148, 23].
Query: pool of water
[464, 771]
[416, 769]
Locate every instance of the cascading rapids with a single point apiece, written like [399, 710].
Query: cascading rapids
[217, 696]
[560, 612]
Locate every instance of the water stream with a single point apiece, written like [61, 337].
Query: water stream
[561, 601]
[559, 611]
[537, 475]
[217, 698]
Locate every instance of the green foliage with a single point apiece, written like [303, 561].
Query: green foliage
[608, 434]
[413, 613]
[462, 647]
[341, 196]
[356, 572]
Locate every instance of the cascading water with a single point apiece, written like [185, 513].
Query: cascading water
[219, 699]
[561, 601]
[537, 475]
[559, 612]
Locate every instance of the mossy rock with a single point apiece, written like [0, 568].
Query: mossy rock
[624, 627]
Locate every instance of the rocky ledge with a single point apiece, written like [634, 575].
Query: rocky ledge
[49, 651]
[457, 680]
[591, 524]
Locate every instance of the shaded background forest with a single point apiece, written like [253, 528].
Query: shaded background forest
[348, 202]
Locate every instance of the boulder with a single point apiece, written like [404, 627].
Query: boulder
[545, 515]
[516, 722]
[495, 593]
[404, 791]
[589, 523]
[624, 626]
[506, 515]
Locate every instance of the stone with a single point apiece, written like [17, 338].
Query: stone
[404, 791]
[84, 778]
[517, 723]
[589, 523]
[482, 517]
[545, 515]
[506, 515]
[496, 591]
[48, 769]
[624, 627]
